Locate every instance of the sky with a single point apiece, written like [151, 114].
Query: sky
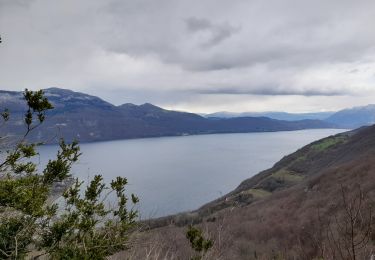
[195, 55]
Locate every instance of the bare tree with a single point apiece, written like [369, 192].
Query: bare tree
[348, 231]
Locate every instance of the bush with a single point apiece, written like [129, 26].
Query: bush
[84, 228]
[198, 242]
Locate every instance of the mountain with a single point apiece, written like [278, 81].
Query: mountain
[298, 209]
[354, 117]
[274, 115]
[350, 118]
[89, 118]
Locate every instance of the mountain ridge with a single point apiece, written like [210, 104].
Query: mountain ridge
[89, 118]
[274, 115]
[354, 117]
[348, 118]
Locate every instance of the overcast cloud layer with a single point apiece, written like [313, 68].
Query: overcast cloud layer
[200, 56]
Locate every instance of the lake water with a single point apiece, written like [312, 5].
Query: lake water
[174, 174]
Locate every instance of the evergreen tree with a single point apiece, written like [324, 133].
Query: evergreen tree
[85, 228]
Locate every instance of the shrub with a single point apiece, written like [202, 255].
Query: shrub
[84, 228]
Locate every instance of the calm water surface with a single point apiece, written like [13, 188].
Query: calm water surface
[173, 174]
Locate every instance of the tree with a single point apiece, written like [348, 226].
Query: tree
[85, 228]
[347, 233]
[198, 242]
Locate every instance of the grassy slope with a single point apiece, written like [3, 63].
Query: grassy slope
[274, 209]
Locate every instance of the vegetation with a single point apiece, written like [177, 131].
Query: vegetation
[346, 235]
[286, 175]
[259, 193]
[198, 242]
[84, 228]
[328, 142]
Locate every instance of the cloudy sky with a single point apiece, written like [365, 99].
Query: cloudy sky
[195, 55]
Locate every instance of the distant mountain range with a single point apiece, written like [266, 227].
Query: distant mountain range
[354, 117]
[274, 115]
[89, 118]
[348, 118]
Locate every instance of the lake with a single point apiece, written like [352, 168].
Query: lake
[174, 174]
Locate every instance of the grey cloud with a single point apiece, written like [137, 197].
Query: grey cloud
[271, 91]
[194, 24]
[217, 32]
[271, 48]
[288, 35]
[6, 3]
